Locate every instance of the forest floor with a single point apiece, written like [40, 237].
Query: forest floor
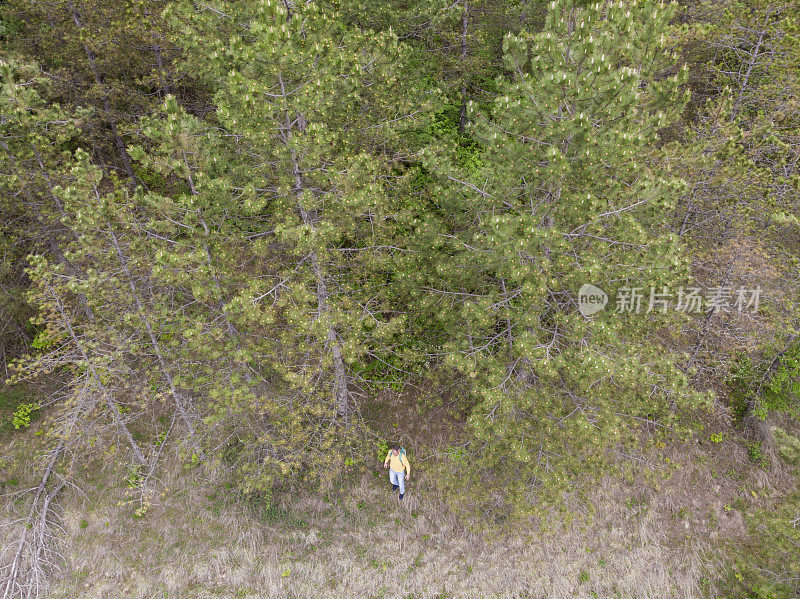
[633, 536]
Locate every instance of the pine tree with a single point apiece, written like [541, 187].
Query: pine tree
[566, 196]
[309, 112]
[112, 57]
[30, 162]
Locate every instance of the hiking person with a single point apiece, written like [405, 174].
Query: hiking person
[397, 462]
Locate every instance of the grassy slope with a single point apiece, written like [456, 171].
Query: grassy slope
[366, 545]
[653, 538]
[644, 533]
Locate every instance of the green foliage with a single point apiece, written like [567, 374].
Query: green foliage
[765, 563]
[378, 375]
[382, 449]
[755, 452]
[43, 340]
[568, 141]
[788, 445]
[738, 157]
[459, 455]
[264, 506]
[133, 478]
[319, 210]
[771, 384]
[24, 414]
[465, 151]
[10, 26]
[18, 408]
[742, 383]
[116, 59]
[782, 388]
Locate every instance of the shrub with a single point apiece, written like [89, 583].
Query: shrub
[23, 415]
[764, 564]
[788, 445]
[18, 408]
[754, 452]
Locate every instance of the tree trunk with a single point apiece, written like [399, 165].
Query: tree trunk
[749, 70]
[116, 415]
[233, 332]
[462, 120]
[176, 395]
[98, 79]
[341, 395]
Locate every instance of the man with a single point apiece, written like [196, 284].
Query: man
[397, 462]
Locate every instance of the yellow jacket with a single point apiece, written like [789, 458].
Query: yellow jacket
[398, 462]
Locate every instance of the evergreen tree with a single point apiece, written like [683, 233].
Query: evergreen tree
[563, 194]
[30, 161]
[310, 110]
[111, 57]
[457, 45]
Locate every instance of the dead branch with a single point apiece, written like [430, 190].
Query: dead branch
[34, 552]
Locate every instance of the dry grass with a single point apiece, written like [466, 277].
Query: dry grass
[647, 533]
[642, 539]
